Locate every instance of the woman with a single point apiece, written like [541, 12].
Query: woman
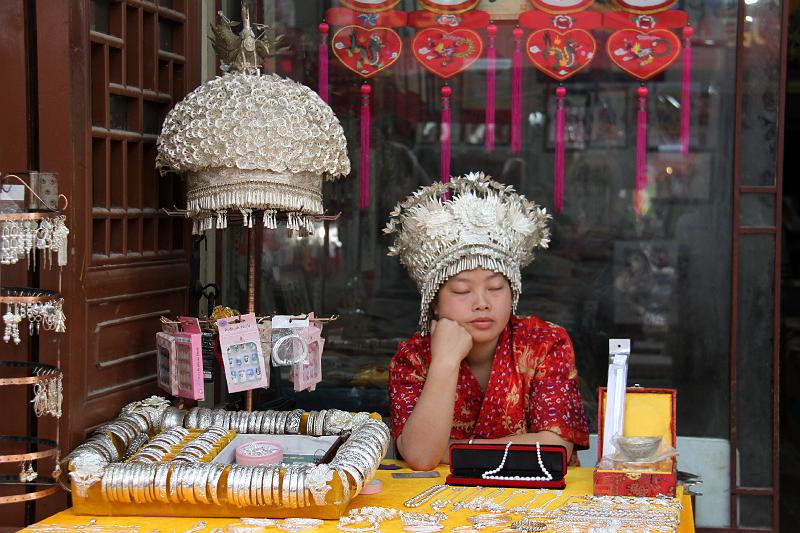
[475, 372]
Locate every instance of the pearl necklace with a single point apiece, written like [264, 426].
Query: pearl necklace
[490, 474]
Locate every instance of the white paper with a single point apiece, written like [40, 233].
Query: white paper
[614, 416]
[12, 193]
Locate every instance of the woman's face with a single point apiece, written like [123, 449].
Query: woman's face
[479, 300]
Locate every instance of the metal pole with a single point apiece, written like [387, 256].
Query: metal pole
[251, 294]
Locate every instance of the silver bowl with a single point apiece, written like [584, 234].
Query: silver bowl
[639, 448]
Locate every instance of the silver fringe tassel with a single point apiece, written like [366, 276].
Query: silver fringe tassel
[256, 195]
[270, 219]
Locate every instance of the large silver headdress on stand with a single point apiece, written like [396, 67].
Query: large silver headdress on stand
[247, 141]
[470, 222]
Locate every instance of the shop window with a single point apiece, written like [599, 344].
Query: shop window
[608, 272]
[662, 279]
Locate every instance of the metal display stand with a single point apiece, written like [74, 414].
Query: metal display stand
[25, 236]
[252, 257]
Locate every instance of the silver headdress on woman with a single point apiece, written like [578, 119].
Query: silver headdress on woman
[470, 222]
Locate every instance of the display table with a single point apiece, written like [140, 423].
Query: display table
[395, 492]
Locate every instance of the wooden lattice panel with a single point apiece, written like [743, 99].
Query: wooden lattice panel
[138, 72]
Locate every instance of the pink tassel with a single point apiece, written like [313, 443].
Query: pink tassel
[491, 65]
[323, 61]
[516, 93]
[558, 178]
[445, 134]
[686, 89]
[365, 119]
[641, 150]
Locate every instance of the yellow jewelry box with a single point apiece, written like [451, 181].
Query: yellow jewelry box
[648, 412]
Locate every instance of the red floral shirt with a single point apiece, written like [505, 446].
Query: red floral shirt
[533, 386]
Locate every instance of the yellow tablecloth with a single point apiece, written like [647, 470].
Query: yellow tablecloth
[395, 492]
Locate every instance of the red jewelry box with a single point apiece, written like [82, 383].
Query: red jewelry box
[647, 412]
[469, 461]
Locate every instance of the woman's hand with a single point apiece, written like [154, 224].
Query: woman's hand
[450, 341]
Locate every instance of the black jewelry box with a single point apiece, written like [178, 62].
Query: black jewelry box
[477, 464]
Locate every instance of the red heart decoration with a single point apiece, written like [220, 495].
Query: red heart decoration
[643, 54]
[366, 51]
[446, 53]
[561, 54]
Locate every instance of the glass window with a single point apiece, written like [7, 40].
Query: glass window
[662, 279]
[608, 273]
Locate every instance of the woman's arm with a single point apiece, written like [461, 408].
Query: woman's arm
[426, 434]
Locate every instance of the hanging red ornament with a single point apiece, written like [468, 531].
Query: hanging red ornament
[367, 51]
[558, 179]
[366, 44]
[643, 54]
[560, 47]
[561, 54]
[447, 52]
[365, 130]
[446, 45]
[445, 134]
[686, 90]
[491, 85]
[641, 148]
[643, 45]
[324, 28]
[516, 92]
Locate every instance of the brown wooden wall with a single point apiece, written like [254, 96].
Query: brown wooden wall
[86, 86]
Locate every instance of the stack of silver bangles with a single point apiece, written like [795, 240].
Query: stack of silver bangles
[154, 409]
[264, 422]
[324, 422]
[160, 446]
[88, 460]
[201, 447]
[102, 443]
[290, 486]
[361, 454]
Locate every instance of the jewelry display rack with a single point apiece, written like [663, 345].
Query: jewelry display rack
[33, 236]
[252, 256]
